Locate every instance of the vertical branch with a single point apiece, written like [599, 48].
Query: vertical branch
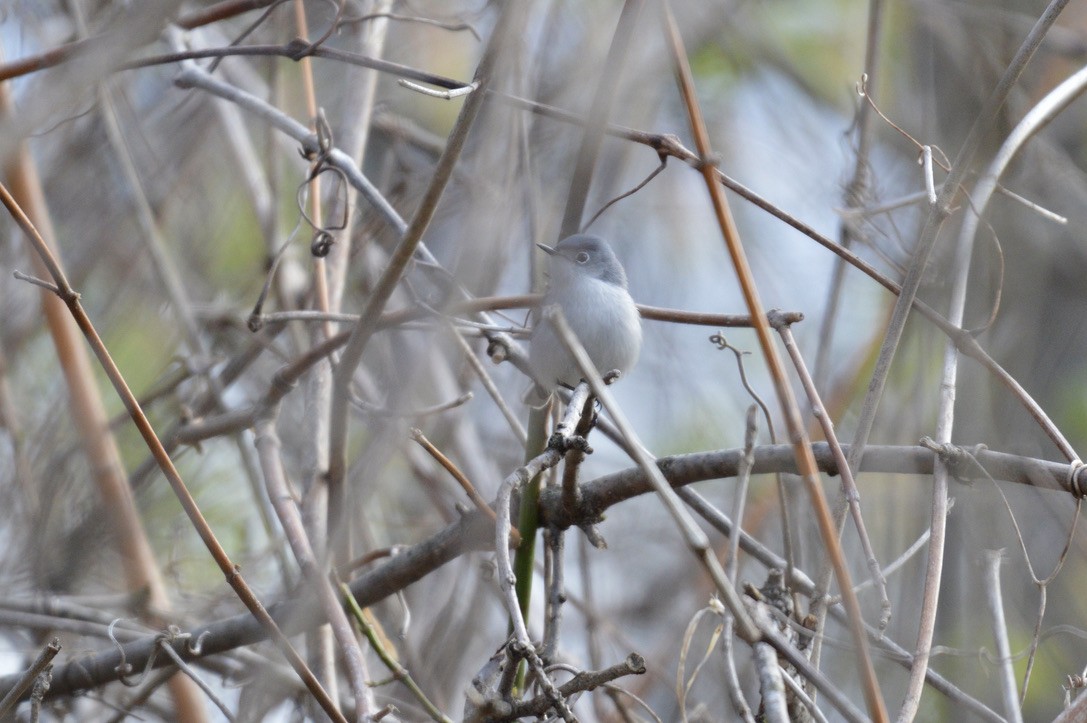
[319, 385]
[597, 121]
[520, 647]
[554, 542]
[946, 413]
[528, 517]
[528, 521]
[360, 88]
[1000, 634]
[268, 447]
[330, 272]
[398, 263]
[743, 479]
[774, 708]
[305, 65]
[856, 192]
[850, 494]
[805, 459]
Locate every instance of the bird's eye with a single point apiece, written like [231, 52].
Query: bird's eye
[582, 257]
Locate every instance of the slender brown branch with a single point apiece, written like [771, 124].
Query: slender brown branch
[850, 493]
[200, 524]
[462, 480]
[221, 11]
[797, 430]
[45, 657]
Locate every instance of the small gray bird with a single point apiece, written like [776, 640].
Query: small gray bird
[589, 284]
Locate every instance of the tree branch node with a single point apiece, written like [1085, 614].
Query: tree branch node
[961, 461]
[1074, 484]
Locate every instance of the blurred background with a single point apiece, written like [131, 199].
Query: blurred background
[121, 151]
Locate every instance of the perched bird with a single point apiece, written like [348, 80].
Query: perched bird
[589, 284]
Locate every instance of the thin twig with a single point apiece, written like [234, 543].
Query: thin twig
[399, 671]
[774, 708]
[930, 182]
[849, 486]
[588, 680]
[684, 683]
[783, 490]
[367, 408]
[739, 496]
[454, 27]
[995, 601]
[45, 657]
[507, 580]
[576, 454]
[187, 670]
[489, 385]
[440, 94]
[35, 281]
[797, 691]
[555, 585]
[732, 679]
[899, 561]
[462, 480]
[627, 194]
[796, 428]
[267, 442]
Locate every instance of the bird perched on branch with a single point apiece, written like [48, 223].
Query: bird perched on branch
[588, 283]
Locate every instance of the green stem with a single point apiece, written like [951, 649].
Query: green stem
[529, 520]
[399, 672]
[528, 523]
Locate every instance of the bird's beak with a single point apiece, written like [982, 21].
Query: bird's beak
[547, 249]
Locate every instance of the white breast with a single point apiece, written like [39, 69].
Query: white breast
[606, 322]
